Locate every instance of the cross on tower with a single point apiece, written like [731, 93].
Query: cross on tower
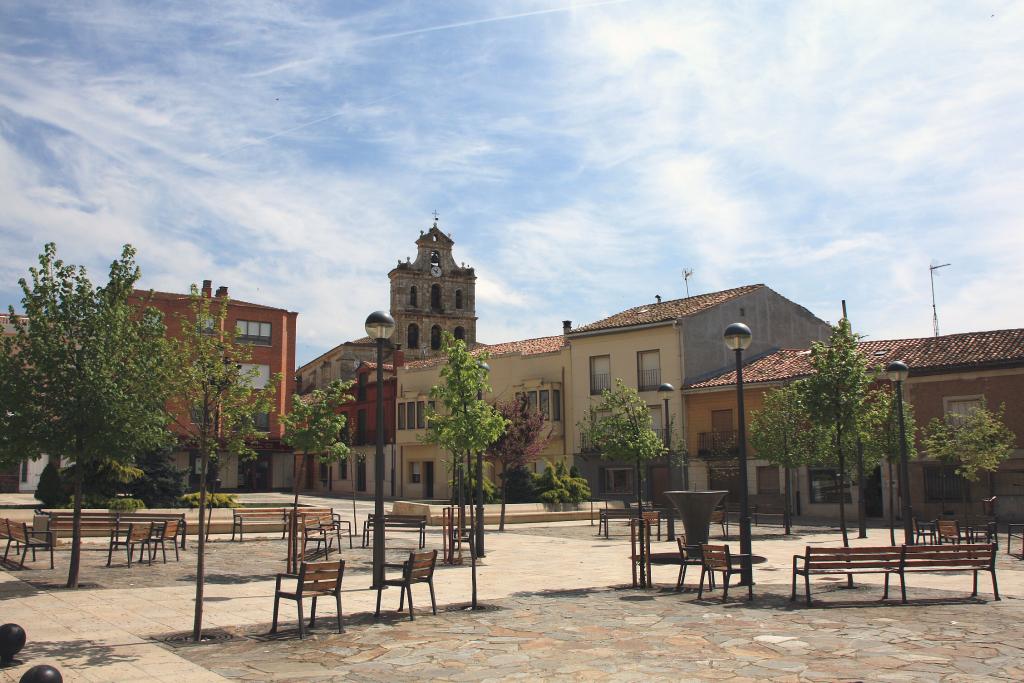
[435, 215]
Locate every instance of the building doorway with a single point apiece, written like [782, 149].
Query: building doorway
[873, 493]
[428, 480]
[659, 478]
[361, 474]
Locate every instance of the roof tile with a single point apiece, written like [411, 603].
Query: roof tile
[666, 310]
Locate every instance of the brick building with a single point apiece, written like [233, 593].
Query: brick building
[270, 332]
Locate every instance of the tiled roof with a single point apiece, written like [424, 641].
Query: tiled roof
[173, 296]
[969, 350]
[523, 347]
[666, 310]
[372, 365]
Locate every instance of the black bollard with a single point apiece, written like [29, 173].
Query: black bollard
[12, 639]
[42, 673]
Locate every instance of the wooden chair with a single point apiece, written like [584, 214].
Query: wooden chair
[948, 531]
[24, 539]
[163, 532]
[137, 534]
[685, 558]
[923, 533]
[717, 558]
[419, 568]
[313, 580]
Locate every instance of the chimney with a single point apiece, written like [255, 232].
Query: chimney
[207, 287]
[566, 326]
[222, 291]
[658, 297]
[398, 357]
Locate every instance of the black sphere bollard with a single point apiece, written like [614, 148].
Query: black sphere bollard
[42, 673]
[12, 639]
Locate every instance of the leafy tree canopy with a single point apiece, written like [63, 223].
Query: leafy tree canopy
[523, 439]
[314, 424]
[975, 442]
[782, 430]
[620, 426]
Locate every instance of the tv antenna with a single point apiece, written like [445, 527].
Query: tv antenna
[687, 274]
[935, 315]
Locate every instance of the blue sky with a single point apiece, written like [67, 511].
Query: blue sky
[581, 154]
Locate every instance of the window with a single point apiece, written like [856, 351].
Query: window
[24, 471]
[458, 298]
[545, 403]
[343, 469]
[413, 336]
[401, 416]
[260, 379]
[942, 483]
[253, 332]
[410, 422]
[261, 421]
[324, 472]
[361, 389]
[412, 296]
[196, 414]
[435, 297]
[435, 337]
[208, 326]
[768, 480]
[460, 333]
[648, 370]
[531, 400]
[421, 418]
[556, 406]
[600, 374]
[825, 485]
[414, 472]
[617, 480]
[957, 408]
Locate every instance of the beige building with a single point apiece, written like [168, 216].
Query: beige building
[536, 367]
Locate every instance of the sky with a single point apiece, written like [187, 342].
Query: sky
[581, 154]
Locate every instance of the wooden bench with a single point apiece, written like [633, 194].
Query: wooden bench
[261, 517]
[398, 523]
[61, 522]
[898, 560]
[25, 539]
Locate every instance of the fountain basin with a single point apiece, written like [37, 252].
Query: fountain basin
[695, 508]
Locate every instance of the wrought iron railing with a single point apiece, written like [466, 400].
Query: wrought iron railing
[599, 382]
[717, 444]
[649, 380]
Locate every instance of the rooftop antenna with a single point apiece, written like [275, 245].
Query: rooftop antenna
[935, 315]
[687, 274]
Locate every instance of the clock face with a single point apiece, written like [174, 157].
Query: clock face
[435, 270]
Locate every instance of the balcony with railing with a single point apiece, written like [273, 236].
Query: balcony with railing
[717, 445]
[587, 444]
[599, 382]
[649, 379]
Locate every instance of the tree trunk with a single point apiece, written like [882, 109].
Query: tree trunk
[862, 521]
[76, 527]
[504, 492]
[197, 625]
[787, 505]
[842, 486]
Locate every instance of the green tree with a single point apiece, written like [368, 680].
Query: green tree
[834, 395]
[973, 443]
[464, 424]
[314, 426]
[216, 401]
[620, 428]
[880, 439]
[162, 483]
[783, 434]
[85, 377]
[50, 491]
[519, 445]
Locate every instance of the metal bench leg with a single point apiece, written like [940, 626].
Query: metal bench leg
[337, 599]
[725, 586]
[995, 586]
[433, 602]
[302, 630]
[807, 586]
[376, 612]
[974, 591]
[277, 603]
[312, 613]
[885, 595]
[903, 588]
[700, 589]
[51, 554]
[409, 588]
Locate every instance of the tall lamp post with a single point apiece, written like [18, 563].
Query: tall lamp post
[898, 372]
[737, 337]
[667, 390]
[485, 369]
[379, 326]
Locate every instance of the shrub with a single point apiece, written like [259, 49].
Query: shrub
[51, 492]
[490, 490]
[125, 505]
[161, 484]
[520, 487]
[216, 500]
[556, 485]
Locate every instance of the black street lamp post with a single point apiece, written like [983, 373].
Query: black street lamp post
[737, 337]
[379, 326]
[667, 389]
[485, 368]
[898, 372]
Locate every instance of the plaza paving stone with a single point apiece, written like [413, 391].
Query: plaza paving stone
[558, 610]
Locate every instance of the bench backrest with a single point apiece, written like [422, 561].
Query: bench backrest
[966, 555]
[715, 556]
[170, 529]
[321, 578]
[400, 519]
[652, 517]
[139, 531]
[17, 531]
[4, 532]
[420, 566]
[948, 529]
[717, 516]
[879, 557]
[265, 513]
[316, 518]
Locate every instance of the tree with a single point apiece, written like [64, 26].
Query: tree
[162, 483]
[783, 434]
[50, 491]
[880, 434]
[519, 445]
[465, 424]
[216, 403]
[85, 376]
[834, 394]
[314, 426]
[973, 443]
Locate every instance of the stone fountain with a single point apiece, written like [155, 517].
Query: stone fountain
[695, 509]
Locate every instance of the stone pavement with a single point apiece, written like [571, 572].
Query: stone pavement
[559, 612]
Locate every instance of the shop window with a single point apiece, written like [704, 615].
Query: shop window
[825, 485]
[617, 480]
[414, 473]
